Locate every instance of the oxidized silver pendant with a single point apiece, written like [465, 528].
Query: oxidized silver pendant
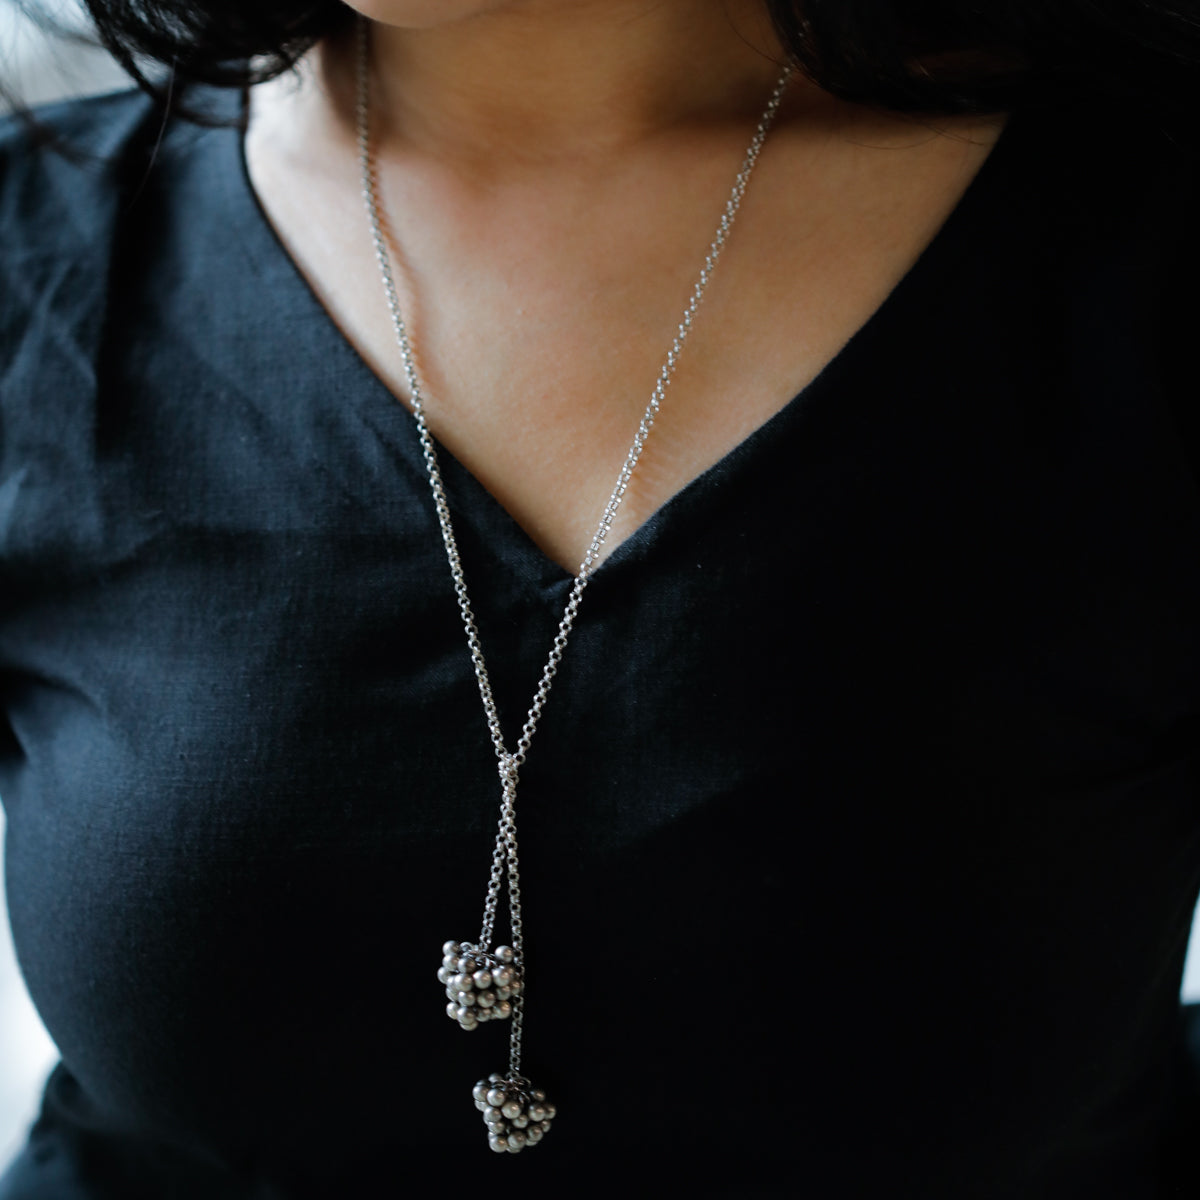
[516, 1114]
[480, 984]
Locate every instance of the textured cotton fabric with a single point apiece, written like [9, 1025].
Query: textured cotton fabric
[860, 837]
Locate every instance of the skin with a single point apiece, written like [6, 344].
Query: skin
[553, 172]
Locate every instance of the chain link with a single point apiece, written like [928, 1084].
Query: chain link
[505, 850]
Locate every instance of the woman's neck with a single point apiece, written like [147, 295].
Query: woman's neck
[534, 82]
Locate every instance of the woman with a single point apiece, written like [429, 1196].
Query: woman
[860, 833]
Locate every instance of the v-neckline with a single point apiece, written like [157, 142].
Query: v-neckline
[385, 412]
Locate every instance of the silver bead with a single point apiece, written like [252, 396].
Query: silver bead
[481, 1105]
[520, 1122]
[449, 948]
[466, 1017]
[487, 999]
[466, 999]
[463, 983]
[537, 1094]
[551, 1113]
[511, 1108]
[502, 1008]
[496, 1097]
[505, 954]
[452, 1010]
[467, 965]
[496, 1077]
[450, 962]
[538, 1111]
[533, 1135]
[516, 1137]
[503, 993]
[503, 977]
[493, 1116]
[444, 975]
[497, 1143]
[483, 979]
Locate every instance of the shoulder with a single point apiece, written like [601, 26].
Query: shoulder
[63, 167]
[1122, 162]
[1102, 158]
[1099, 202]
[99, 123]
[77, 179]
[83, 183]
[69, 169]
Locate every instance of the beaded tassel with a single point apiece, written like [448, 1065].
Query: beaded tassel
[479, 984]
[516, 1115]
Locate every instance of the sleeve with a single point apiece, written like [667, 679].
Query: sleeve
[1178, 319]
[60, 204]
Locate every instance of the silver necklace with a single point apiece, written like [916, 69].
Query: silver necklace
[484, 982]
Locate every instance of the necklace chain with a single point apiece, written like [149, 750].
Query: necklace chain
[505, 851]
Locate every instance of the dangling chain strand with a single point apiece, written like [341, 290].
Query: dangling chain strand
[509, 765]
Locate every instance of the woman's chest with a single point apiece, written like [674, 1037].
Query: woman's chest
[820, 696]
[545, 314]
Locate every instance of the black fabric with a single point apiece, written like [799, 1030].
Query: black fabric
[861, 834]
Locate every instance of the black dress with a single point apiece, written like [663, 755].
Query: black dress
[860, 837]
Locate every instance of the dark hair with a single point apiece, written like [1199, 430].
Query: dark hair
[921, 56]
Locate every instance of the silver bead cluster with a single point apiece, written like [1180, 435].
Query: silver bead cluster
[515, 1114]
[480, 984]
